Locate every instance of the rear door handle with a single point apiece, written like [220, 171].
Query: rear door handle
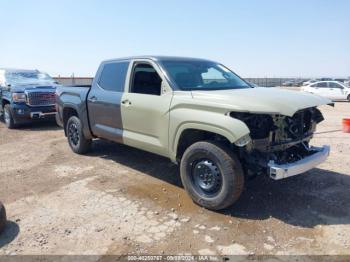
[126, 102]
[93, 99]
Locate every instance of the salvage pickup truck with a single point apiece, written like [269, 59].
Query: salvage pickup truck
[26, 96]
[199, 114]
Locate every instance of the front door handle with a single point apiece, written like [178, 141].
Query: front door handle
[93, 99]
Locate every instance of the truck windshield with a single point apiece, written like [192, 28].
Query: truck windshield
[28, 78]
[202, 75]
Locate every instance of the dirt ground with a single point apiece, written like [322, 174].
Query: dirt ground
[118, 200]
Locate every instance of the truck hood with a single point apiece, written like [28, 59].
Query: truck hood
[261, 100]
[23, 88]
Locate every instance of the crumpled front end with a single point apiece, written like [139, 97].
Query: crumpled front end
[280, 145]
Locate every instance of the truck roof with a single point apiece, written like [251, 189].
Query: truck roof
[157, 58]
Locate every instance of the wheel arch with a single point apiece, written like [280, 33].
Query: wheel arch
[188, 133]
[67, 112]
[4, 102]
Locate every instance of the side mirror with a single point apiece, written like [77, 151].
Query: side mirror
[163, 88]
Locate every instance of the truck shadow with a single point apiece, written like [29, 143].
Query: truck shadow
[142, 161]
[10, 233]
[320, 197]
[39, 126]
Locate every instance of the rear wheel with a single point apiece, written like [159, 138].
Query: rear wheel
[9, 121]
[212, 175]
[76, 139]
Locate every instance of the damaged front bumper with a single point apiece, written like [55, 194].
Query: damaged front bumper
[278, 172]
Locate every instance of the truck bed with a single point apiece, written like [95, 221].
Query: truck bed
[75, 91]
[73, 97]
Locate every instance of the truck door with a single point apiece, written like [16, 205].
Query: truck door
[145, 108]
[104, 100]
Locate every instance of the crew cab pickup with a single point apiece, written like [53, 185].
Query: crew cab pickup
[200, 114]
[25, 96]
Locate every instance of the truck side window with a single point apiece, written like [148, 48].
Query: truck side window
[113, 76]
[145, 80]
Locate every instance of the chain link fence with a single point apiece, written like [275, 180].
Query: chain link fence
[264, 82]
[273, 82]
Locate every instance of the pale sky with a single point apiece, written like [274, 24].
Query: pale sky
[255, 38]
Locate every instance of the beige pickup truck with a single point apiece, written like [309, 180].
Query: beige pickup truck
[199, 114]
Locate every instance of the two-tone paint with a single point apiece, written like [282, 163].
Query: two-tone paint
[156, 123]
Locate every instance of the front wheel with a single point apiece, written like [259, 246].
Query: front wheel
[8, 118]
[212, 175]
[76, 139]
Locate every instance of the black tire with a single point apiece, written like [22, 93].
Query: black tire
[215, 159]
[349, 98]
[2, 217]
[76, 139]
[8, 118]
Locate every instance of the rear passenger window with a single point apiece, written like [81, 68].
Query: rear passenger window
[334, 85]
[113, 76]
[322, 84]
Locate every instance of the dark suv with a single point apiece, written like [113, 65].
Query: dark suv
[26, 96]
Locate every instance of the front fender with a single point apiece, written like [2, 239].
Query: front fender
[215, 122]
[7, 96]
